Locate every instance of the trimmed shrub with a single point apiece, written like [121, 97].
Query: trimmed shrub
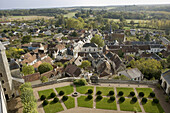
[112, 98]
[55, 100]
[120, 93]
[141, 94]
[152, 94]
[132, 93]
[61, 93]
[99, 97]
[99, 93]
[52, 95]
[45, 102]
[122, 99]
[90, 91]
[134, 99]
[43, 97]
[80, 82]
[89, 97]
[111, 92]
[144, 100]
[64, 98]
[155, 100]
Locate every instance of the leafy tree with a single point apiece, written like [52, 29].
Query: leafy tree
[27, 70]
[147, 37]
[149, 67]
[80, 82]
[27, 98]
[85, 64]
[45, 67]
[26, 39]
[44, 79]
[14, 52]
[98, 40]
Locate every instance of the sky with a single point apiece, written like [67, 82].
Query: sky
[25, 4]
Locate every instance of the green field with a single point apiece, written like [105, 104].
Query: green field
[105, 103]
[83, 89]
[83, 101]
[70, 103]
[70, 15]
[146, 91]
[128, 105]
[46, 93]
[126, 91]
[53, 107]
[104, 90]
[67, 89]
[152, 108]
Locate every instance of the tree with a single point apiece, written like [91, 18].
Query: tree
[27, 70]
[98, 40]
[85, 64]
[14, 52]
[45, 67]
[44, 79]
[26, 39]
[149, 67]
[147, 37]
[27, 98]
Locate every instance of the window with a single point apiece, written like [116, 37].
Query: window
[4, 89]
[2, 82]
[94, 50]
[0, 74]
[89, 49]
[85, 50]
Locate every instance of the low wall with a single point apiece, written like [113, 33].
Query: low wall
[109, 81]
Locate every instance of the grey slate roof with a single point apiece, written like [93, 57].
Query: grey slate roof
[89, 45]
[166, 76]
[133, 73]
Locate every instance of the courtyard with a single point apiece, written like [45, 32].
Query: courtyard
[103, 104]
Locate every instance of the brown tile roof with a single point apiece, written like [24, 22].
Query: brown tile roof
[115, 36]
[29, 60]
[60, 46]
[26, 45]
[32, 77]
[73, 70]
[48, 60]
[27, 55]
[36, 65]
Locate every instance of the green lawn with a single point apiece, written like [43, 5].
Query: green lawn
[127, 105]
[67, 89]
[146, 91]
[105, 103]
[84, 102]
[83, 89]
[53, 107]
[152, 108]
[46, 93]
[70, 103]
[126, 91]
[70, 15]
[104, 90]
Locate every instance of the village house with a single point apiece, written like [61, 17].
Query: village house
[132, 74]
[165, 82]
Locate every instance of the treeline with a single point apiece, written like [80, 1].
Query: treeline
[27, 12]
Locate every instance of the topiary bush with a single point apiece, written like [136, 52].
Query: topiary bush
[134, 99]
[99, 97]
[61, 93]
[144, 100]
[155, 100]
[52, 95]
[132, 93]
[120, 93]
[122, 99]
[99, 93]
[111, 92]
[45, 102]
[141, 94]
[55, 100]
[64, 98]
[152, 94]
[90, 91]
[89, 97]
[80, 82]
[43, 97]
[112, 98]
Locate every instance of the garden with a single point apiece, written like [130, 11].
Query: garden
[108, 98]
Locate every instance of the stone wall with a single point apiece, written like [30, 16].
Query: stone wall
[109, 81]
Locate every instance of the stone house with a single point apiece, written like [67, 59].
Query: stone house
[132, 74]
[165, 82]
